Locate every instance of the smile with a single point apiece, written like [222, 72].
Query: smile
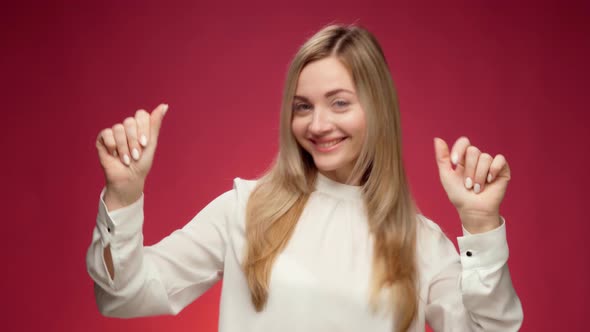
[328, 146]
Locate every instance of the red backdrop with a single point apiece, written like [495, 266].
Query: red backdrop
[512, 79]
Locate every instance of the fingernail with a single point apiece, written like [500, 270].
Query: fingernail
[165, 107]
[126, 160]
[454, 158]
[135, 154]
[468, 183]
[476, 188]
[489, 177]
[143, 140]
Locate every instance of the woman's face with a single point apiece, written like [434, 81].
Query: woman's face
[328, 120]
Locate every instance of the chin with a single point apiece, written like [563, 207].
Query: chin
[328, 166]
[325, 169]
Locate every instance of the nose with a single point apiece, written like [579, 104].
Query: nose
[321, 122]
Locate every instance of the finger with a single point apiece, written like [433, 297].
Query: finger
[458, 150]
[441, 151]
[499, 167]
[106, 141]
[122, 146]
[156, 121]
[142, 118]
[471, 156]
[132, 140]
[481, 172]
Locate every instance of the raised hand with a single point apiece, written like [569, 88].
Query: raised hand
[476, 186]
[126, 153]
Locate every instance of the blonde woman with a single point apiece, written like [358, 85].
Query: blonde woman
[329, 239]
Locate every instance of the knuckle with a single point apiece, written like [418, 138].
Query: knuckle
[129, 122]
[141, 113]
[118, 127]
[102, 135]
[131, 136]
[481, 173]
[486, 156]
[108, 141]
[464, 139]
[122, 147]
[472, 150]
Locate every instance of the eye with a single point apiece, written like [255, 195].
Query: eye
[301, 107]
[341, 103]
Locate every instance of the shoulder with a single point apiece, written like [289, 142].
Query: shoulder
[427, 229]
[242, 188]
[244, 185]
[232, 200]
[239, 194]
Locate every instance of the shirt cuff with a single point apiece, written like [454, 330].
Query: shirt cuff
[120, 223]
[483, 250]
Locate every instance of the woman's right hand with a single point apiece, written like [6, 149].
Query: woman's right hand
[126, 153]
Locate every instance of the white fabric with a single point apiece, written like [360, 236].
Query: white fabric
[319, 283]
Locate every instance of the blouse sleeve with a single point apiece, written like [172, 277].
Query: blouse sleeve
[473, 291]
[163, 278]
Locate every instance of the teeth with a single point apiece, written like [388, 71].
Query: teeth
[329, 144]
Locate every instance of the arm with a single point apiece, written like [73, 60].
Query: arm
[473, 291]
[158, 279]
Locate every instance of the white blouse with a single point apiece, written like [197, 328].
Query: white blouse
[320, 282]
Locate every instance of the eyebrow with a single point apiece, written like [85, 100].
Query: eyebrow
[327, 95]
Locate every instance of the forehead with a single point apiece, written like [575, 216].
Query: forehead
[323, 75]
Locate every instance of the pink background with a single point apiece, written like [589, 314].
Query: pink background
[511, 78]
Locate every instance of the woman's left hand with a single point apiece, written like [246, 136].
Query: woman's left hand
[476, 186]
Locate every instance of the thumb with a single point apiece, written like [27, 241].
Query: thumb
[441, 151]
[156, 119]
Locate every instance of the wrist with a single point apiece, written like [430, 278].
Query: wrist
[480, 223]
[114, 199]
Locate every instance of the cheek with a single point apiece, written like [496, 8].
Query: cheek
[356, 124]
[361, 122]
[298, 128]
[362, 128]
[357, 128]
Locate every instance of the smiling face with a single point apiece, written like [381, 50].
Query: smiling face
[328, 120]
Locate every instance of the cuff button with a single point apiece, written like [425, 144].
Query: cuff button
[468, 253]
[108, 229]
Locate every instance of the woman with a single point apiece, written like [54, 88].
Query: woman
[329, 239]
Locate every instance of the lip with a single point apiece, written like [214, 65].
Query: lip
[328, 149]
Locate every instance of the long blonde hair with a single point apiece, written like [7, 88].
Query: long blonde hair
[277, 201]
